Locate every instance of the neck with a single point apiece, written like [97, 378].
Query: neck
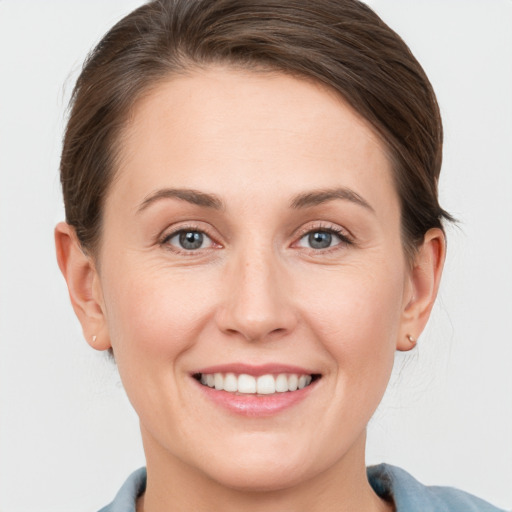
[174, 486]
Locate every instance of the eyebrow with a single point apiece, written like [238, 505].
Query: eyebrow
[206, 200]
[184, 194]
[317, 197]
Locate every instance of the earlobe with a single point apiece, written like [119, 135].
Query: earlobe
[424, 279]
[84, 288]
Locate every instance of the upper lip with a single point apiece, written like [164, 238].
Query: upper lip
[255, 370]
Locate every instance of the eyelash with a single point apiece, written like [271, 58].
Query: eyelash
[345, 239]
[164, 241]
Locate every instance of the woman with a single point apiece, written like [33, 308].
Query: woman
[253, 230]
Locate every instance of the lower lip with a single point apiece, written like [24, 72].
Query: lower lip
[256, 405]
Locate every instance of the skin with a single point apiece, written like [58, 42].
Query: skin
[255, 292]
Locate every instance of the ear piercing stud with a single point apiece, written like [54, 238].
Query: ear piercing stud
[412, 340]
[94, 339]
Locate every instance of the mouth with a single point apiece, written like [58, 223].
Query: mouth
[263, 385]
[256, 391]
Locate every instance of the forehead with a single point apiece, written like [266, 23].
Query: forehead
[226, 129]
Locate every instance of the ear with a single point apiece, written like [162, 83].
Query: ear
[423, 285]
[83, 282]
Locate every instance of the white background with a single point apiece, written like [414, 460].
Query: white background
[68, 437]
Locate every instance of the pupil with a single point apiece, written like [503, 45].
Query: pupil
[191, 240]
[320, 240]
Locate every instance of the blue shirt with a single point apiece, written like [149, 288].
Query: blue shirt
[389, 482]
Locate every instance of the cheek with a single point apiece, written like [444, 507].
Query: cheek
[356, 317]
[155, 314]
[154, 318]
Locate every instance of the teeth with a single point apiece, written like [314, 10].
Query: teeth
[282, 383]
[266, 385]
[218, 380]
[230, 382]
[263, 385]
[246, 384]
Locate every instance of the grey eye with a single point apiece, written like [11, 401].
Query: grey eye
[189, 240]
[320, 240]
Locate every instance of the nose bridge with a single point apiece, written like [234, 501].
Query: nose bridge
[256, 304]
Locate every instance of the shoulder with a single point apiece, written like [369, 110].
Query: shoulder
[408, 494]
[126, 498]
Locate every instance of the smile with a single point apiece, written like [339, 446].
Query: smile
[245, 384]
[256, 391]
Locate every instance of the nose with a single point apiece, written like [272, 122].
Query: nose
[257, 300]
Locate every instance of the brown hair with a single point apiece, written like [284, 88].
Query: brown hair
[340, 43]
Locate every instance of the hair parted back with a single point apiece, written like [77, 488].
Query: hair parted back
[340, 43]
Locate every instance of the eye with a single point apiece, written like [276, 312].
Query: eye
[319, 239]
[189, 240]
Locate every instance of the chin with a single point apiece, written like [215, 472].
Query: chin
[261, 462]
[261, 475]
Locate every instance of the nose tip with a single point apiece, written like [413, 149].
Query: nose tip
[256, 304]
[255, 330]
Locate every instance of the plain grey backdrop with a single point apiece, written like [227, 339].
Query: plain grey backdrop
[68, 437]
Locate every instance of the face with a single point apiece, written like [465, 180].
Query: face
[252, 239]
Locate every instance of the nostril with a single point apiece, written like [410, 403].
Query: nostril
[256, 333]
